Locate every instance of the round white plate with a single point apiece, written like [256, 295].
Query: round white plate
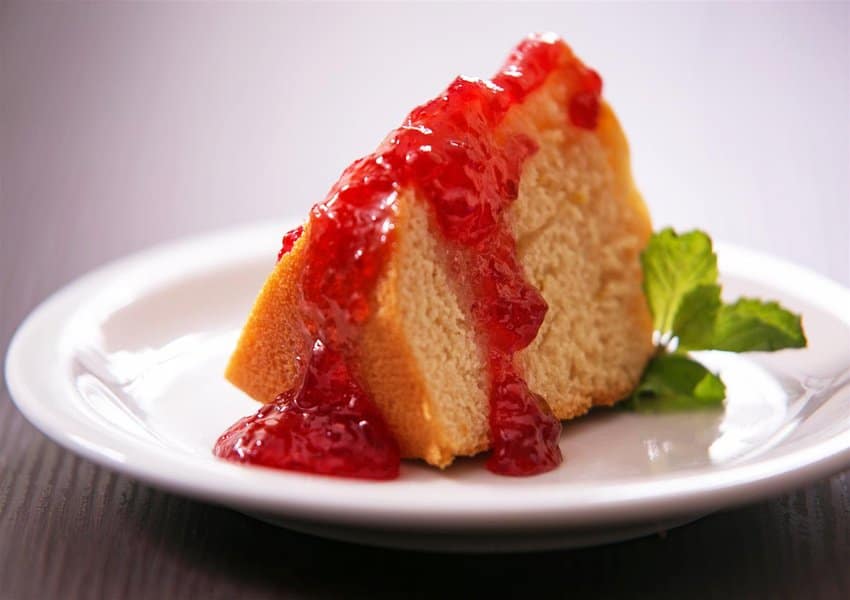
[124, 367]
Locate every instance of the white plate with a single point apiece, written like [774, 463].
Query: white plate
[125, 365]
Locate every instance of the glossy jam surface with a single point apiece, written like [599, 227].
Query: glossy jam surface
[289, 240]
[583, 107]
[450, 151]
[328, 426]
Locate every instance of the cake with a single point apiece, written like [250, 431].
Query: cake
[462, 289]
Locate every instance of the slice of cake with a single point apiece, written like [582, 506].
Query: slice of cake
[463, 288]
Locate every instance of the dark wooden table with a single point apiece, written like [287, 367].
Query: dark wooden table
[73, 195]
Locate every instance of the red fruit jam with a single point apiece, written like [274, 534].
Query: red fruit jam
[289, 239]
[328, 425]
[449, 150]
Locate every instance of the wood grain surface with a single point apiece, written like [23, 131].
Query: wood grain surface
[82, 182]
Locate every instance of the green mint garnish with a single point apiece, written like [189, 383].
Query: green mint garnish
[673, 266]
[675, 382]
[751, 325]
[680, 283]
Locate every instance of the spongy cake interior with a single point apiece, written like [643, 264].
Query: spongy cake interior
[579, 225]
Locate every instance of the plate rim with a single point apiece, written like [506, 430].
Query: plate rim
[311, 497]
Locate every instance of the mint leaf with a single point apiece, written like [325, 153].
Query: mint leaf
[694, 323]
[751, 325]
[674, 382]
[680, 283]
[674, 265]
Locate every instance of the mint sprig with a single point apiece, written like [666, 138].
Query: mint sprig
[680, 283]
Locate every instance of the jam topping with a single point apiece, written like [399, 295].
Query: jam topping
[289, 240]
[328, 425]
[450, 151]
[524, 432]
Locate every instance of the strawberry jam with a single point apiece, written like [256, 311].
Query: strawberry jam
[451, 152]
[327, 425]
[289, 240]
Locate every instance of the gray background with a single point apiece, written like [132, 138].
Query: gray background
[123, 125]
